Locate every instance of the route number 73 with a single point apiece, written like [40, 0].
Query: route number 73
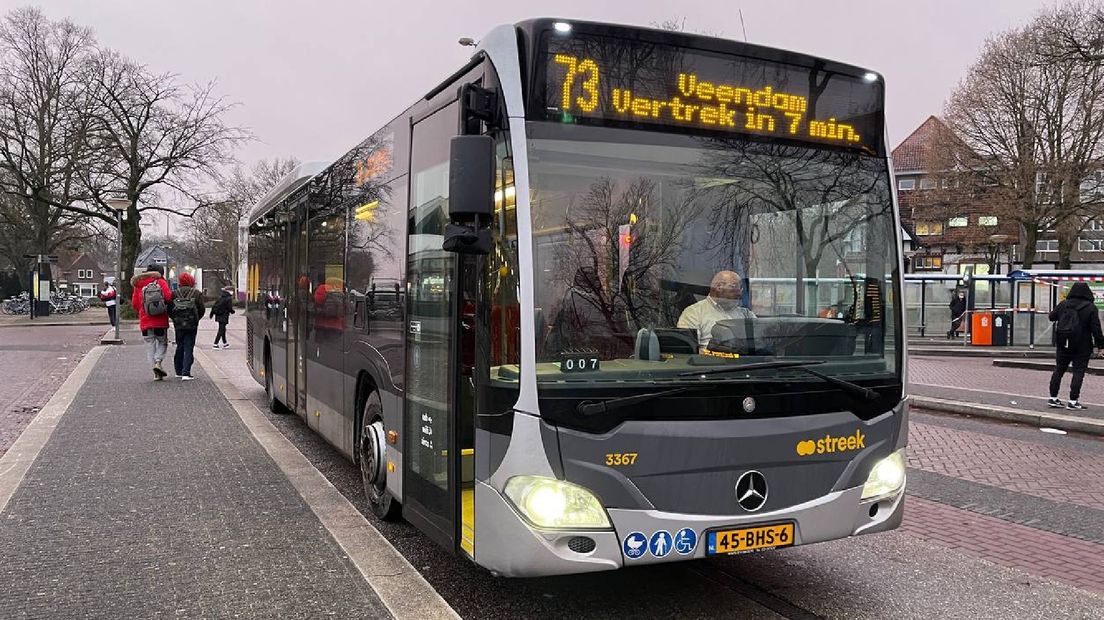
[585, 69]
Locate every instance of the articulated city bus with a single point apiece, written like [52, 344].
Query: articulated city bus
[605, 296]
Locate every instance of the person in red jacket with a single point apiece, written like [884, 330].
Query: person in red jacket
[153, 315]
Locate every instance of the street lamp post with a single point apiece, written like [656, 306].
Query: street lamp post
[119, 206]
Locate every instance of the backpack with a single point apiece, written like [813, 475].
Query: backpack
[184, 314]
[1068, 325]
[153, 299]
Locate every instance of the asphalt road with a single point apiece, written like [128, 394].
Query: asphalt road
[916, 572]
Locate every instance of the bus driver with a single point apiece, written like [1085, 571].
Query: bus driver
[726, 292]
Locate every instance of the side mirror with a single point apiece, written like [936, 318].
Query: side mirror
[471, 195]
[471, 178]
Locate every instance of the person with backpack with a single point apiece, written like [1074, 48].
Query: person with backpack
[187, 309]
[1076, 330]
[221, 312]
[152, 297]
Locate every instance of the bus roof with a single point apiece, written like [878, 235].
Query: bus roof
[292, 181]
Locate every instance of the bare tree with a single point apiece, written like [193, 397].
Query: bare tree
[153, 136]
[45, 120]
[1030, 128]
[213, 227]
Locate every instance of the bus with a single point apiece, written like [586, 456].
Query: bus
[605, 296]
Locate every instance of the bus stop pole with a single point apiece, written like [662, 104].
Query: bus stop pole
[1031, 336]
[923, 306]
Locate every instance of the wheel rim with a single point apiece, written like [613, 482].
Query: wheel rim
[371, 459]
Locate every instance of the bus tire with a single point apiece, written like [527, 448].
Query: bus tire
[373, 469]
[274, 404]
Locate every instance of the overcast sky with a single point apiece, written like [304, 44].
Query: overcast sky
[314, 78]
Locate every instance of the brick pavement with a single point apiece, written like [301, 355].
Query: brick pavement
[980, 374]
[1062, 475]
[34, 361]
[1076, 562]
[152, 499]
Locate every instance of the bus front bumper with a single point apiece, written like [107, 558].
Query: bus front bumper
[509, 547]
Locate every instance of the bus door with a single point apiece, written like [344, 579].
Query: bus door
[297, 308]
[439, 329]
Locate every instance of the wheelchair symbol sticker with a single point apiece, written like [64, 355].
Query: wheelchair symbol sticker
[685, 541]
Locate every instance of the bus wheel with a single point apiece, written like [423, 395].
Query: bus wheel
[373, 469]
[274, 404]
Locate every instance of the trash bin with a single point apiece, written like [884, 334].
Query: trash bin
[981, 328]
[1002, 328]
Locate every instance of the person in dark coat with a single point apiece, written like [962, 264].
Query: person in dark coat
[186, 324]
[1077, 329]
[221, 312]
[958, 309]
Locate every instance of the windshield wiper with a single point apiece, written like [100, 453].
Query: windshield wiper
[803, 366]
[592, 408]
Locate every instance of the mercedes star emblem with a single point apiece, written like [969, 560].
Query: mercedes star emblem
[749, 405]
[751, 491]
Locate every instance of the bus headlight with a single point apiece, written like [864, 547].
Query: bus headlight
[887, 477]
[552, 503]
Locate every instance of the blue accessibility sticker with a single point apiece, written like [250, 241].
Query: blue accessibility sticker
[635, 545]
[660, 543]
[685, 541]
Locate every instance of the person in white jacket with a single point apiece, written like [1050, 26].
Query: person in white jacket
[110, 297]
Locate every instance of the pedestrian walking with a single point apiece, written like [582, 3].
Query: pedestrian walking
[221, 312]
[151, 298]
[110, 297]
[1076, 330]
[958, 310]
[186, 311]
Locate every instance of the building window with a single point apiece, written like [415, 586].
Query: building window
[929, 228]
[1090, 245]
[927, 183]
[928, 262]
[905, 185]
[1046, 245]
[1095, 226]
[84, 274]
[957, 222]
[987, 220]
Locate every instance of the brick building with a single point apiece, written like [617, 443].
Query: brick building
[952, 228]
[80, 274]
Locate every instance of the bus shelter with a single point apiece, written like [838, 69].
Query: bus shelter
[1025, 295]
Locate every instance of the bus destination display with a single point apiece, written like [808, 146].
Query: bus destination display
[612, 79]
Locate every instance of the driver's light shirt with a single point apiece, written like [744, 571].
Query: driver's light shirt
[703, 315]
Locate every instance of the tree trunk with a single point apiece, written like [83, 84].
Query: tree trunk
[1031, 242]
[132, 246]
[1065, 249]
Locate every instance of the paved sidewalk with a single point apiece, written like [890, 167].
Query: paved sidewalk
[1017, 394]
[152, 499]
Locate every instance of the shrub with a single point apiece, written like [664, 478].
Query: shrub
[128, 313]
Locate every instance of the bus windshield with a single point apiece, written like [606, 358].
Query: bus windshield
[656, 254]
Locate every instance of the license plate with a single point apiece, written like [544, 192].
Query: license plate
[749, 538]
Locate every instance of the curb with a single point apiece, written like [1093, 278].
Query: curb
[22, 454]
[54, 324]
[1053, 420]
[1047, 366]
[400, 587]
